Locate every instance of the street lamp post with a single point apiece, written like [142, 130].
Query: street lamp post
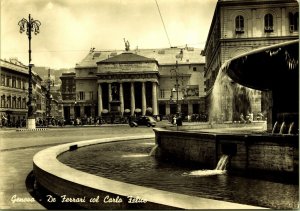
[29, 26]
[176, 86]
[175, 71]
[48, 105]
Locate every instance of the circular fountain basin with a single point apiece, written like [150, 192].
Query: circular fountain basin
[95, 192]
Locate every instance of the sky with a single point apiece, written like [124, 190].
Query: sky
[70, 28]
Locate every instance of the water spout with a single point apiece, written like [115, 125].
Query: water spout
[274, 127]
[282, 128]
[222, 163]
[154, 150]
[220, 168]
[291, 128]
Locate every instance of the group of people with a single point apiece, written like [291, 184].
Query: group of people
[6, 121]
[41, 122]
[197, 117]
[250, 118]
[190, 118]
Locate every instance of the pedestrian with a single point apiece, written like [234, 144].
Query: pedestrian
[242, 119]
[179, 120]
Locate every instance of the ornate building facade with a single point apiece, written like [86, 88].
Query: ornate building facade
[14, 92]
[238, 27]
[142, 81]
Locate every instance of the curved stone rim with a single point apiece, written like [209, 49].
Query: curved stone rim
[45, 163]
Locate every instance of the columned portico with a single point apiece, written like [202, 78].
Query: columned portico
[132, 80]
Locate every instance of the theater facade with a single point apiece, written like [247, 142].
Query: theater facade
[141, 81]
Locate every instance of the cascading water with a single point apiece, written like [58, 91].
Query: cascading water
[229, 99]
[153, 150]
[222, 163]
[220, 168]
[283, 128]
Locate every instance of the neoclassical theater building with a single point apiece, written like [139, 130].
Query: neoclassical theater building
[156, 81]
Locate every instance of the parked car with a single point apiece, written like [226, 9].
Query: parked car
[143, 120]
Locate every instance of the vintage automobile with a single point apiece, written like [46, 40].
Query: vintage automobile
[148, 121]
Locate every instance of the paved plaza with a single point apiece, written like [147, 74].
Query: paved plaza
[18, 148]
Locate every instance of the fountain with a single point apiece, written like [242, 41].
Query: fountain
[273, 153]
[272, 69]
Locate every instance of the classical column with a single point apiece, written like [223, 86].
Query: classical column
[154, 98]
[143, 98]
[168, 110]
[121, 99]
[82, 114]
[100, 103]
[132, 98]
[109, 95]
[72, 111]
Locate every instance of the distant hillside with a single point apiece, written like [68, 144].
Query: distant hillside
[43, 73]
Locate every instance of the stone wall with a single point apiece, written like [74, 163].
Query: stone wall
[277, 153]
[188, 148]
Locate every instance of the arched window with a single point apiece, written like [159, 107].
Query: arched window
[3, 101]
[268, 23]
[239, 24]
[24, 103]
[296, 21]
[293, 21]
[14, 103]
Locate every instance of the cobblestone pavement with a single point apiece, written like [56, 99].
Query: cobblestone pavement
[18, 148]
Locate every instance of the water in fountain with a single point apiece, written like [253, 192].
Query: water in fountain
[128, 162]
[220, 169]
[229, 99]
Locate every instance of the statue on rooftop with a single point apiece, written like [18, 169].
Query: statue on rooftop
[127, 45]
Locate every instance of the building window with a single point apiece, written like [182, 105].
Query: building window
[24, 103]
[3, 101]
[194, 68]
[81, 95]
[19, 82]
[23, 84]
[162, 93]
[239, 24]
[14, 102]
[91, 96]
[19, 102]
[268, 23]
[8, 81]
[294, 21]
[14, 82]
[2, 80]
